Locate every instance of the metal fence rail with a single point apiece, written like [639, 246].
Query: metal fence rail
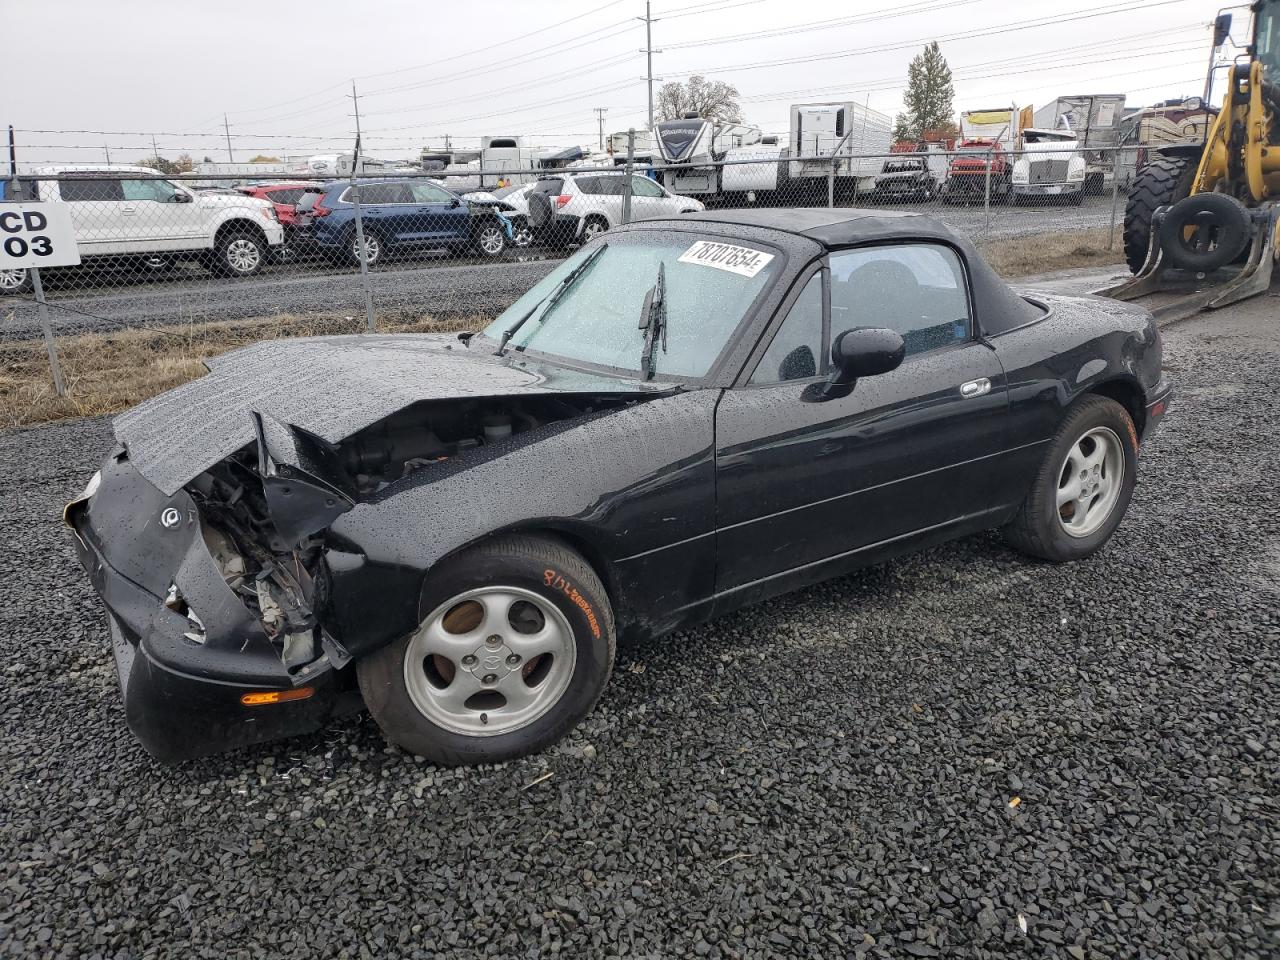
[181, 266]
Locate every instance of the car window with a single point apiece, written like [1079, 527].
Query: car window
[708, 293]
[550, 186]
[385, 193]
[287, 195]
[430, 193]
[90, 189]
[644, 187]
[795, 352]
[916, 289]
[161, 191]
[591, 186]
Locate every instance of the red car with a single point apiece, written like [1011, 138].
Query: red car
[283, 196]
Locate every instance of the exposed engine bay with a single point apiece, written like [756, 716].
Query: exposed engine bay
[281, 576]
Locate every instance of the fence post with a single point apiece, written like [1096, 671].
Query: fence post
[1115, 199]
[626, 180]
[831, 182]
[46, 328]
[986, 193]
[355, 200]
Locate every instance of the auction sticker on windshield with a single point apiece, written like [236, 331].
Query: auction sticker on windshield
[725, 256]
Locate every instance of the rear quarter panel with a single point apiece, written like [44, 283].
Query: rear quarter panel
[1082, 345]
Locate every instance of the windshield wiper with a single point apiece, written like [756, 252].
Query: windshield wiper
[653, 321]
[553, 297]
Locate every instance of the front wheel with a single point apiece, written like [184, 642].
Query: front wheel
[238, 254]
[491, 238]
[1084, 485]
[514, 649]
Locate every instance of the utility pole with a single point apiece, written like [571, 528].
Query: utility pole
[355, 198]
[155, 151]
[600, 112]
[648, 51]
[107, 151]
[226, 128]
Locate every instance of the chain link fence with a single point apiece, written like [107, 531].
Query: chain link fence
[177, 268]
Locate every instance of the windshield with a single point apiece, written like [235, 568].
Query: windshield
[710, 285]
[1268, 41]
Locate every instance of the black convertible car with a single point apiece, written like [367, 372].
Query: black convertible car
[684, 417]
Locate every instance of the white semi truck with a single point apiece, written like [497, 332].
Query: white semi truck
[1095, 120]
[1051, 168]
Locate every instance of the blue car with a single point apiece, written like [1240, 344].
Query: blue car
[399, 215]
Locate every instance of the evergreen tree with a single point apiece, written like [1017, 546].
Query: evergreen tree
[929, 98]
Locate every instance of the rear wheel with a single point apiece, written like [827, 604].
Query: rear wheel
[593, 228]
[491, 238]
[1083, 487]
[374, 249]
[1163, 181]
[15, 281]
[514, 649]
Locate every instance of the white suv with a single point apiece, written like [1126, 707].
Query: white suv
[127, 213]
[574, 207]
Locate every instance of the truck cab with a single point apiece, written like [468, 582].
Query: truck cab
[1050, 168]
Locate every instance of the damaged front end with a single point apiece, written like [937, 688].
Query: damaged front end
[219, 594]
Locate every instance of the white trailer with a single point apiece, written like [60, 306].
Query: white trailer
[697, 144]
[1000, 125]
[764, 175]
[847, 137]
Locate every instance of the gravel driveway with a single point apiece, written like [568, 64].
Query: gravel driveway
[957, 754]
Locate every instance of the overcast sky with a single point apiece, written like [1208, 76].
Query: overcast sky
[281, 70]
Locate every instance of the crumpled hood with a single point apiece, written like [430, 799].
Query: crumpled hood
[331, 386]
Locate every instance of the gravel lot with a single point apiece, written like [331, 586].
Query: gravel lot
[958, 754]
[189, 294]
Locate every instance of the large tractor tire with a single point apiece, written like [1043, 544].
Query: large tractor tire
[1163, 181]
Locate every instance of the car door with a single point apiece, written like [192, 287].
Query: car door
[649, 201]
[94, 203]
[803, 486]
[385, 210]
[157, 215]
[438, 215]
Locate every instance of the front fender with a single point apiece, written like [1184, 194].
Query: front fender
[637, 484]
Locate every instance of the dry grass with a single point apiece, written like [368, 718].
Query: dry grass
[1046, 252]
[107, 373]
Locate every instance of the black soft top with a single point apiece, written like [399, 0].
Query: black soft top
[998, 308]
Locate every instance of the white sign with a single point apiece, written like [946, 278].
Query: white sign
[36, 235]
[725, 256]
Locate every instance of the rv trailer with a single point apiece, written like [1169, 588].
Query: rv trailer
[696, 144]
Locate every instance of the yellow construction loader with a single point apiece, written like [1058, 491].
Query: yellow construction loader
[1202, 217]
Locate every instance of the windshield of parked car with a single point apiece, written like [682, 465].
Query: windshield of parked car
[710, 284]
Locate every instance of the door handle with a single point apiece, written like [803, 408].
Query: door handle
[975, 388]
[129, 210]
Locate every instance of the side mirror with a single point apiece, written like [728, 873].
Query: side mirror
[181, 196]
[455, 202]
[1221, 29]
[861, 352]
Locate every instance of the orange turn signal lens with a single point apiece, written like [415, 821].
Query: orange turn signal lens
[264, 697]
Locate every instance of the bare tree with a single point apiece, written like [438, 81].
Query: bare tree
[709, 99]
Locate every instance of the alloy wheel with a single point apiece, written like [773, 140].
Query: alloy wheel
[372, 249]
[491, 240]
[1090, 482]
[490, 661]
[12, 279]
[243, 255]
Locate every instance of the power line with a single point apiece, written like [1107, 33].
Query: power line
[963, 35]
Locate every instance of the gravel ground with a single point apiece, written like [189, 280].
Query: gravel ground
[958, 754]
[402, 288]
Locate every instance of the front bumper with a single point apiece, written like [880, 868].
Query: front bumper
[183, 698]
[1047, 189]
[1157, 405]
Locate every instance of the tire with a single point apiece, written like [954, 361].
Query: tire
[521, 233]
[554, 593]
[1042, 528]
[593, 227]
[15, 282]
[1077, 199]
[540, 211]
[490, 239]
[1163, 181]
[239, 253]
[375, 249]
[1221, 218]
